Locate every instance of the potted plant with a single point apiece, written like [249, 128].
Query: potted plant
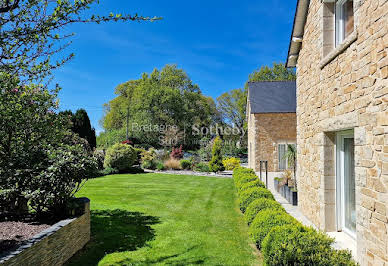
[293, 197]
[284, 188]
[276, 183]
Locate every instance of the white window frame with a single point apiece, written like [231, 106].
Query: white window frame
[284, 143]
[340, 22]
[340, 181]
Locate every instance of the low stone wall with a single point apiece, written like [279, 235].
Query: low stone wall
[55, 245]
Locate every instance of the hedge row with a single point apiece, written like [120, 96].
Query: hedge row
[282, 239]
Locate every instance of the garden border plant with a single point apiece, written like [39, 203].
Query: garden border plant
[282, 239]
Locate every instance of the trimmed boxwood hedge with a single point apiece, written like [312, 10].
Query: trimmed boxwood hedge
[283, 239]
[258, 205]
[255, 183]
[298, 245]
[249, 195]
[266, 220]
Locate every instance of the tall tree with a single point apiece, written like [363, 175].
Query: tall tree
[32, 33]
[278, 72]
[165, 97]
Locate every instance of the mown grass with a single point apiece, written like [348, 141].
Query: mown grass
[149, 219]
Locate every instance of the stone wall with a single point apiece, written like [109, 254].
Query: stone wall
[55, 245]
[265, 132]
[345, 88]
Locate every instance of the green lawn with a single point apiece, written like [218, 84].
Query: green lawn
[165, 219]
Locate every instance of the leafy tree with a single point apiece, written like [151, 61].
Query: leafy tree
[32, 138]
[80, 124]
[165, 98]
[31, 33]
[215, 163]
[232, 106]
[278, 72]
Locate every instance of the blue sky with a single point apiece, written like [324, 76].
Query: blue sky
[218, 43]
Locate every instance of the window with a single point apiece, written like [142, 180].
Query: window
[346, 188]
[281, 156]
[344, 20]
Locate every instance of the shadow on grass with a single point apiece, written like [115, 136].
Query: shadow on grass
[168, 260]
[115, 231]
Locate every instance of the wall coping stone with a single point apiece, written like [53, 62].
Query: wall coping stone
[42, 235]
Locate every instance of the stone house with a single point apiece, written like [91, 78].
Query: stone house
[271, 117]
[340, 51]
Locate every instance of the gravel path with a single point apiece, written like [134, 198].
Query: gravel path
[225, 174]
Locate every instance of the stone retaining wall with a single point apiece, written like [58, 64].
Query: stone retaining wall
[55, 245]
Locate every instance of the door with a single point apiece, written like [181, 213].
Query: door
[346, 185]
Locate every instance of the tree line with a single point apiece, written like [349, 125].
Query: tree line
[168, 97]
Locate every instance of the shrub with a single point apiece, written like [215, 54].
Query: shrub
[109, 171]
[265, 220]
[148, 159]
[70, 167]
[249, 195]
[242, 170]
[172, 164]
[258, 205]
[120, 156]
[255, 183]
[139, 152]
[247, 178]
[177, 153]
[298, 245]
[202, 167]
[231, 163]
[185, 164]
[215, 164]
[160, 166]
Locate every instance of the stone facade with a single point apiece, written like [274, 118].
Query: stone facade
[265, 132]
[55, 245]
[339, 89]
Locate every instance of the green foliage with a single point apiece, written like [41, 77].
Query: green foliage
[258, 205]
[251, 194]
[215, 164]
[160, 166]
[139, 152]
[34, 31]
[109, 171]
[148, 159]
[255, 183]
[232, 105]
[29, 130]
[265, 220]
[202, 167]
[242, 179]
[239, 171]
[278, 72]
[231, 163]
[297, 245]
[80, 124]
[185, 164]
[110, 137]
[69, 167]
[165, 97]
[120, 156]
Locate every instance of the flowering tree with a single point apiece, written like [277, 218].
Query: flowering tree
[33, 140]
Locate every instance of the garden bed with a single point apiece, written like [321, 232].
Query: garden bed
[42, 244]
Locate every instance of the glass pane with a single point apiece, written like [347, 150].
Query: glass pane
[348, 18]
[281, 153]
[349, 185]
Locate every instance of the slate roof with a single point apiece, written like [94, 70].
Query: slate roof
[272, 97]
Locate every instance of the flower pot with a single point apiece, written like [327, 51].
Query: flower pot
[276, 184]
[281, 190]
[286, 192]
[294, 197]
